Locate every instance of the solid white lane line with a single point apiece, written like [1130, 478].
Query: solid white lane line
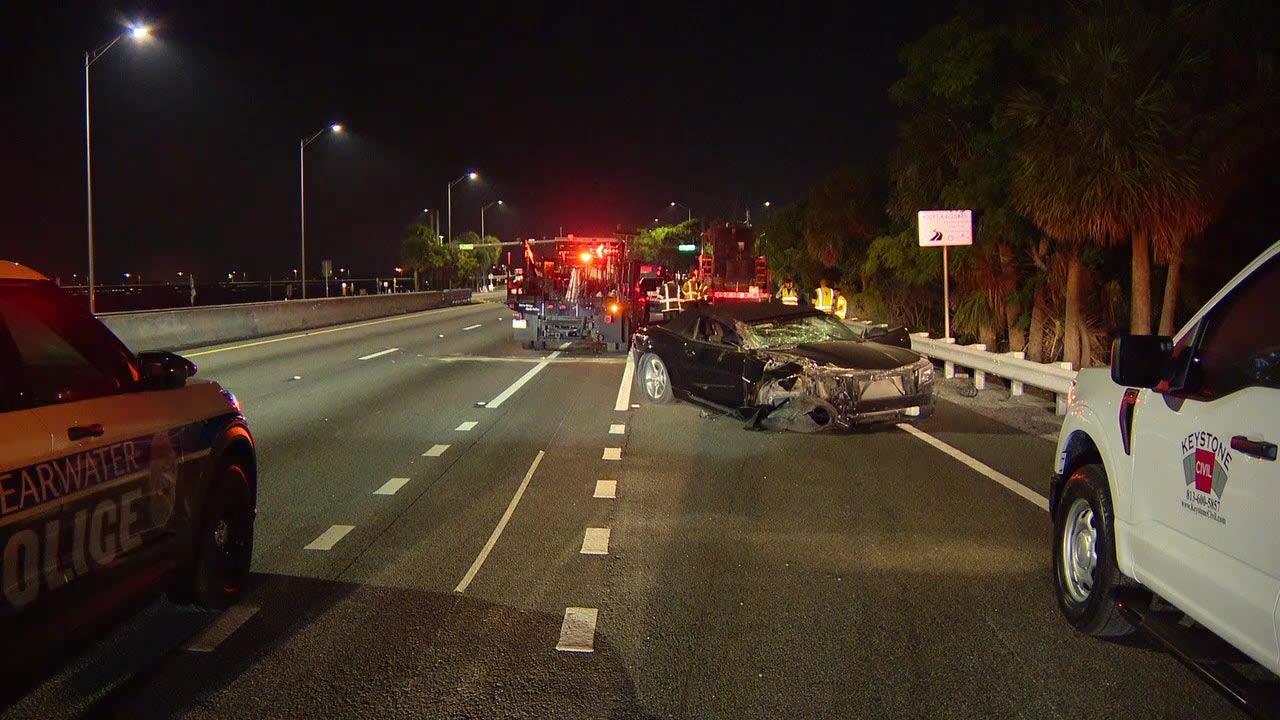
[578, 632]
[380, 353]
[607, 489]
[1009, 483]
[391, 486]
[472, 327]
[595, 542]
[502, 524]
[612, 454]
[519, 383]
[330, 537]
[624, 388]
[227, 622]
[616, 429]
[435, 451]
[466, 426]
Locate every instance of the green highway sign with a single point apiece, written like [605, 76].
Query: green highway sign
[466, 246]
[687, 248]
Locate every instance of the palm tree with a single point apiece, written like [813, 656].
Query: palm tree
[1096, 157]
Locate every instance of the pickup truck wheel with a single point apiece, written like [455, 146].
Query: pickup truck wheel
[1084, 555]
[654, 379]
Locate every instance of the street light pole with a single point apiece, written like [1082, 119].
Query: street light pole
[486, 207]
[686, 207]
[138, 32]
[468, 176]
[302, 194]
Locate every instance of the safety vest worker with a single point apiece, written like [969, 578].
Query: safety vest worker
[788, 294]
[669, 294]
[824, 297]
[841, 306]
[692, 289]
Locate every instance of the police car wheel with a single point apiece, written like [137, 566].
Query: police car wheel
[225, 545]
[654, 379]
[1084, 557]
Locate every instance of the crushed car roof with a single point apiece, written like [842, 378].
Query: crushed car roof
[752, 311]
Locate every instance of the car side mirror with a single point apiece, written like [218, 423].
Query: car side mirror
[1141, 360]
[163, 370]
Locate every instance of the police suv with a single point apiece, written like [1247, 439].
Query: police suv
[1166, 489]
[117, 475]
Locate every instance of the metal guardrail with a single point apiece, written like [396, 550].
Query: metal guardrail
[1012, 366]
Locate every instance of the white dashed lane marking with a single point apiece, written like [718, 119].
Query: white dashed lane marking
[616, 429]
[471, 327]
[435, 451]
[330, 537]
[578, 632]
[467, 426]
[380, 353]
[606, 489]
[230, 620]
[612, 454]
[392, 486]
[595, 541]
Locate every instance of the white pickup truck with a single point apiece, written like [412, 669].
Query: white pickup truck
[1166, 483]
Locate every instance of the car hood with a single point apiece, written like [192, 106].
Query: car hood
[853, 354]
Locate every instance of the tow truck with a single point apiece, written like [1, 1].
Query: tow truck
[733, 271]
[573, 289]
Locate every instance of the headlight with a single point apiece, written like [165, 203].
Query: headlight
[924, 375]
[231, 398]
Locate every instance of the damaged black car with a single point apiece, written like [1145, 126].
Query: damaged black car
[781, 368]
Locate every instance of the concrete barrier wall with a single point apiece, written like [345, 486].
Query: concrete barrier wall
[194, 327]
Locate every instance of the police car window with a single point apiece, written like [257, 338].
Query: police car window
[1241, 344]
[63, 354]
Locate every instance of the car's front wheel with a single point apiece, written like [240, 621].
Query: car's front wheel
[654, 379]
[1084, 557]
[224, 548]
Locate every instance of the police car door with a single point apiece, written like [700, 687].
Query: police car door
[1207, 479]
[86, 514]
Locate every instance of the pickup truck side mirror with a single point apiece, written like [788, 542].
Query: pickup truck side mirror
[163, 370]
[1141, 360]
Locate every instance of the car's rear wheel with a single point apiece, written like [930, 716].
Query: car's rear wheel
[224, 548]
[1084, 558]
[654, 379]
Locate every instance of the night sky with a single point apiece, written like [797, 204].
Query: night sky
[581, 120]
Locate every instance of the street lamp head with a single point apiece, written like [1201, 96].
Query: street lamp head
[499, 202]
[673, 203]
[472, 175]
[336, 127]
[140, 32]
[767, 203]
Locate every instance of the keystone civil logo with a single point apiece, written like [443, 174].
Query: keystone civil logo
[1205, 462]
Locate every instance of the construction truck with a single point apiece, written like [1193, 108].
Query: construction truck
[729, 267]
[573, 290]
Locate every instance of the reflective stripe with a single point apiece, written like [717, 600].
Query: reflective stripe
[789, 296]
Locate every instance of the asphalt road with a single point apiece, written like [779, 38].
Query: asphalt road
[419, 553]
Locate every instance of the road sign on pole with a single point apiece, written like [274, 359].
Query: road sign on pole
[944, 228]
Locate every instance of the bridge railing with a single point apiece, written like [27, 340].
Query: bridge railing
[1012, 366]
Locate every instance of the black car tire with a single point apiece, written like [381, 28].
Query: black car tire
[654, 379]
[224, 547]
[1085, 573]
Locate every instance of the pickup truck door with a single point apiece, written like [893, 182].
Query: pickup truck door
[1206, 478]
